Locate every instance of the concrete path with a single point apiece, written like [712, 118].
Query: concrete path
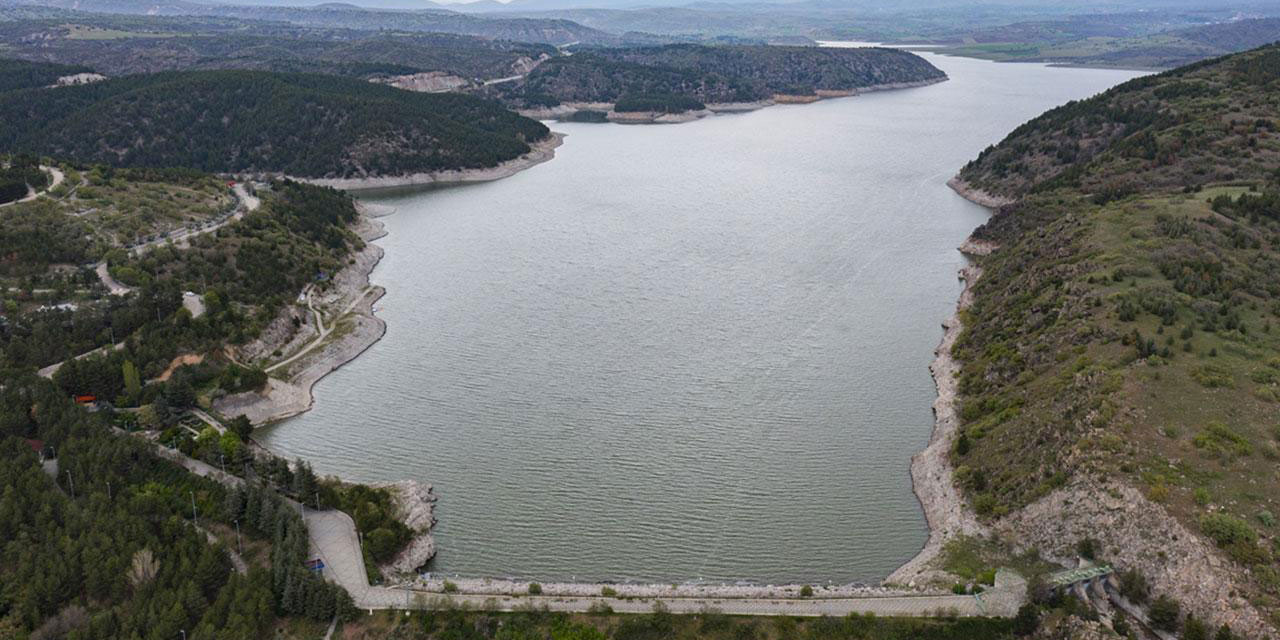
[114, 286]
[48, 371]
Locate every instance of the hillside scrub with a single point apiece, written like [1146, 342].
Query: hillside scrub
[1133, 337]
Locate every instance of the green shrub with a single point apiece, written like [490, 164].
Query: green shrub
[535, 589]
[1211, 376]
[806, 591]
[1164, 613]
[1267, 518]
[450, 587]
[1133, 585]
[1225, 530]
[1220, 440]
[609, 592]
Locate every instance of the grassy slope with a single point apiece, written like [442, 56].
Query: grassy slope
[1126, 329]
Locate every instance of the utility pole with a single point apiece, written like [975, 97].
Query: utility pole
[108, 490]
[239, 542]
[71, 483]
[194, 517]
[223, 459]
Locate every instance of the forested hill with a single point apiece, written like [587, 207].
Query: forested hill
[714, 73]
[248, 121]
[119, 45]
[1155, 131]
[20, 74]
[1120, 362]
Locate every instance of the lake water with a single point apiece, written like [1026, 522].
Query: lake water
[680, 352]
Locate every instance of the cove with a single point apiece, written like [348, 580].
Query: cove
[688, 352]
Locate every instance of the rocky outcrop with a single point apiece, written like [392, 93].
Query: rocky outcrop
[415, 508]
[1135, 533]
[978, 196]
[427, 82]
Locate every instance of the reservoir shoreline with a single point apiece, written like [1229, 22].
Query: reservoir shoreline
[932, 478]
[923, 469]
[654, 117]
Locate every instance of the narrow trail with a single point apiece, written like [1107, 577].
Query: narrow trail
[323, 331]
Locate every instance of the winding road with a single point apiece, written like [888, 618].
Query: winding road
[248, 202]
[32, 194]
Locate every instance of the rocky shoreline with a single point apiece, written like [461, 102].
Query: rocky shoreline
[539, 152]
[976, 195]
[290, 393]
[415, 506]
[945, 509]
[568, 109]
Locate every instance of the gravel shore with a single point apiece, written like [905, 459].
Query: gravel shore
[540, 152]
[931, 474]
[567, 109]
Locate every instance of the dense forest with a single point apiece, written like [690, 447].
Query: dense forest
[247, 121]
[147, 44]
[1127, 329]
[112, 541]
[708, 74]
[19, 175]
[21, 74]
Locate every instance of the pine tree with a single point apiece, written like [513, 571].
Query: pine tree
[132, 381]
